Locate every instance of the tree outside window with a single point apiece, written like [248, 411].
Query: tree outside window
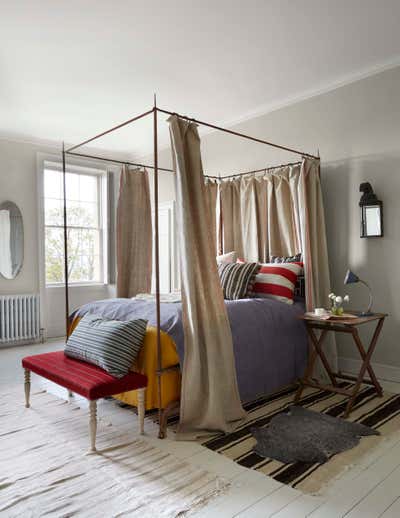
[84, 227]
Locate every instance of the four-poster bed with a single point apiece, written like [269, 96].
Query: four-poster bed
[71, 151]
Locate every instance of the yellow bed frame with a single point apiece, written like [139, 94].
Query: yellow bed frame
[146, 363]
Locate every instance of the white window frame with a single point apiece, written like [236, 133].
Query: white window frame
[53, 162]
[174, 279]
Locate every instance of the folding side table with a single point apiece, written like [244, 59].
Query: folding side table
[338, 325]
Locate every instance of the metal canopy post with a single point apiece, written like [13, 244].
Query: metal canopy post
[65, 223]
[157, 268]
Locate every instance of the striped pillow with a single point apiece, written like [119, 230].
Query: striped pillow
[286, 259]
[235, 279]
[277, 281]
[110, 344]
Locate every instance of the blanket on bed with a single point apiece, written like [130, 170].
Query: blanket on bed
[269, 340]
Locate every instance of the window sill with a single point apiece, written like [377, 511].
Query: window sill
[78, 285]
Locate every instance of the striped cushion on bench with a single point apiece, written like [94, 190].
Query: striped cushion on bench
[112, 345]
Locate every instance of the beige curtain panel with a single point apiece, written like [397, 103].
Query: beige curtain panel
[232, 237]
[280, 212]
[314, 246]
[210, 399]
[134, 234]
[211, 194]
[259, 215]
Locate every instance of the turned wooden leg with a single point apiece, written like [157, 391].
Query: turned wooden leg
[93, 425]
[27, 387]
[141, 393]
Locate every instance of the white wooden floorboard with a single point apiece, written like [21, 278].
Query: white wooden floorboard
[367, 462]
[342, 502]
[245, 489]
[270, 504]
[393, 511]
[377, 501]
[370, 489]
[300, 507]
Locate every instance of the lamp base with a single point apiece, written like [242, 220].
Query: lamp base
[364, 313]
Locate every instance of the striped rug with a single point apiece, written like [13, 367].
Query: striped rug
[382, 414]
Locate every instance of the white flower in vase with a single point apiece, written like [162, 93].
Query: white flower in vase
[337, 304]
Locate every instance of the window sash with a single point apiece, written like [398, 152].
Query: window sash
[74, 227]
[101, 177]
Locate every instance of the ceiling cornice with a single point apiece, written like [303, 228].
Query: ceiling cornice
[260, 111]
[348, 79]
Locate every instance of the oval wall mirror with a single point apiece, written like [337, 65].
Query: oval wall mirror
[11, 240]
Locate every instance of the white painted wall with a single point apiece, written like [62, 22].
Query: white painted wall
[357, 131]
[19, 183]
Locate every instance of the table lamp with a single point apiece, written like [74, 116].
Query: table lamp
[352, 278]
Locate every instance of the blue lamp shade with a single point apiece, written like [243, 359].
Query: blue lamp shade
[351, 277]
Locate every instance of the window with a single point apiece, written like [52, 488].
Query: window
[169, 278]
[86, 213]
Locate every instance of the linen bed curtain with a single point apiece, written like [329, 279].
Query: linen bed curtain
[210, 399]
[211, 194]
[280, 212]
[260, 216]
[134, 234]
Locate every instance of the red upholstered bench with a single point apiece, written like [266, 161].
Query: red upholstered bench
[86, 380]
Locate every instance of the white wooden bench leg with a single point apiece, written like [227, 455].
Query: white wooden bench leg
[93, 425]
[141, 393]
[27, 387]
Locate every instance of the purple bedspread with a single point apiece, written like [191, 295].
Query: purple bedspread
[269, 341]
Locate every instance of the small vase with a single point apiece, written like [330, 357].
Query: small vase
[337, 310]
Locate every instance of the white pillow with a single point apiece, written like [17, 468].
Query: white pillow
[230, 257]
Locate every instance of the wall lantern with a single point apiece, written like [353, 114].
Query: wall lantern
[371, 212]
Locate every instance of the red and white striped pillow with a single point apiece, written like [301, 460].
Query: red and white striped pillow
[276, 281]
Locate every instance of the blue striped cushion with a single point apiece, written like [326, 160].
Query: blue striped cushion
[112, 345]
[236, 278]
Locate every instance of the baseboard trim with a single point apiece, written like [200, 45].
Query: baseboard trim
[382, 371]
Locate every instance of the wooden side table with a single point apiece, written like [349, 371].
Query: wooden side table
[340, 326]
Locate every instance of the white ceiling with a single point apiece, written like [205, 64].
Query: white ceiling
[71, 69]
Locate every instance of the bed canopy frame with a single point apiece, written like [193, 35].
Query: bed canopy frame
[163, 413]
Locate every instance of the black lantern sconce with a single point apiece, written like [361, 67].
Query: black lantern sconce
[371, 212]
